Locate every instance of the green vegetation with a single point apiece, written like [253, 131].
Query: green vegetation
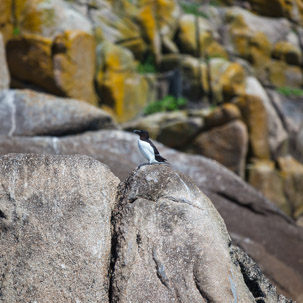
[168, 103]
[193, 9]
[16, 31]
[148, 66]
[290, 92]
[215, 3]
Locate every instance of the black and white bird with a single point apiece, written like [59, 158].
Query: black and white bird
[147, 148]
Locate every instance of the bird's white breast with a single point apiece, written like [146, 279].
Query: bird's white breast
[146, 150]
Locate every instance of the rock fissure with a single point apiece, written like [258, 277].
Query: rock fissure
[160, 270]
[202, 293]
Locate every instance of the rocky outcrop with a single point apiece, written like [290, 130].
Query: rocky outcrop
[292, 176]
[255, 117]
[263, 175]
[118, 70]
[290, 110]
[55, 214]
[227, 144]
[4, 75]
[277, 135]
[166, 241]
[249, 217]
[197, 37]
[27, 113]
[47, 18]
[57, 41]
[227, 80]
[63, 65]
[174, 129]
[158, 211]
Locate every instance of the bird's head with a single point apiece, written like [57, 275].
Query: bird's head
[142, 133]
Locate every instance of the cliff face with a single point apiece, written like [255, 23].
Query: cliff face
[69, 67]
[255, 224]
[123, 55]
[168, 242]
[86, 50]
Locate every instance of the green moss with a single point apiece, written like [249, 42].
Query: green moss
[193, 9]
[16, 31]
[168, 103]
[290, 92]
[148, 66]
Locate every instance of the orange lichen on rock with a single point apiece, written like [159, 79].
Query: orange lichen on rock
[121, 88]
[74, 65]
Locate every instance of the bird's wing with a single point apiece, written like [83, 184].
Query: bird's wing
[154, 147]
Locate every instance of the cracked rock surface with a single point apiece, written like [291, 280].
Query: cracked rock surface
[55, 234]
[254, 223]
[29, 113]
[170, 243]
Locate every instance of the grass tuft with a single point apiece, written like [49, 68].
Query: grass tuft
[290, 92]
[168, 103]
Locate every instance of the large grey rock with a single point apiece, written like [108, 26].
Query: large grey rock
[55, 242]
[4, 74]
[245, 211]
[171, 243]
[28, 113]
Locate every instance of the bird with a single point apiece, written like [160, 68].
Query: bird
[147, 148]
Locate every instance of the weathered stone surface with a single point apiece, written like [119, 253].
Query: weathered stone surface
[114, 26]
[34, 54]
[197, 37]
[278, 8]
[246, 212]
[121, 88]
[189, 77]
[221, 115]
[49, 18]
[276, 132]
[218, 80]
[255, 117]
[227, 79]
[171, 243]
[287, 52]
[292, 175]
[290, 109]
[28, 113]
[64, 66]
[227, 144]
[260, 287]
[4, 75]
[253, 46]
[55, 228]
[74, 63]
[6, 26]
[179, 133]
[157, 18]
[264, 177]
[273, 28]
[258, 39]
[174, 129]
[281, 74]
